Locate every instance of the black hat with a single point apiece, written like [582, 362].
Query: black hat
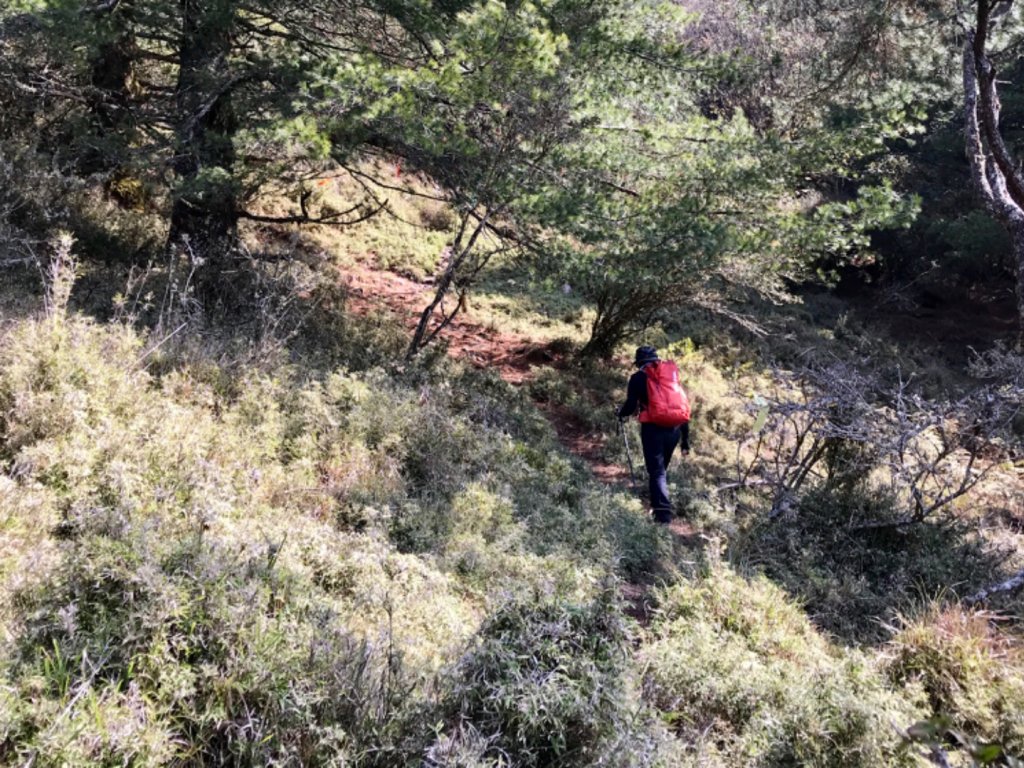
[645, 355]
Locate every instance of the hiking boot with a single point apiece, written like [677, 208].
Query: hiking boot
[662, 516]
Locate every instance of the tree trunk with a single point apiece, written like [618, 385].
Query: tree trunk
[618, 315]
[602, 342]
[1010, 585]
[994, 172]
[1017, 242]
[204, 214]
[459, 254]
[606, 331]
[112, 78]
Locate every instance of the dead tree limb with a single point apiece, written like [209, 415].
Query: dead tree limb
[459, 254]
[847, 429]
[1010, 585]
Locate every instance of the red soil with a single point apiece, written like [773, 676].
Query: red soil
[515, 358]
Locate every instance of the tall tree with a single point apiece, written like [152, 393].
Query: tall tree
[211, 100]
[694, 185]
[995, 172]
[507, 114]
[208, 100]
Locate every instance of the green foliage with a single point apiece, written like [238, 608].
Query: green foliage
[972, 673]
[213, 552]
[408, 238]
[852, 580]
[974, 244]
[203, 564]
[180, 602]
[738, 672]
[717, 208]
[714, 172]
[546, 682]
[228, 563]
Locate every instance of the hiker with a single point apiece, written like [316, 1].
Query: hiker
[654, 393]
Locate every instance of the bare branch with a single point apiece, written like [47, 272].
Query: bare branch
[1010, 585]
[839, 428]
[304, 217]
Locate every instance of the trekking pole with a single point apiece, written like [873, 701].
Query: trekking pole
[629, 456]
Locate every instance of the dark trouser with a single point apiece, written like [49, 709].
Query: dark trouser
[659, 444]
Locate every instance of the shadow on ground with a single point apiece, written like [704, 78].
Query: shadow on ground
[854, 584]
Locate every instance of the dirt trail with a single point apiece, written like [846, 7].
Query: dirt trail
[509, 354]
[517, 360]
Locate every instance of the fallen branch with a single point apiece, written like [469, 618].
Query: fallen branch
[743, 484]
[1011, 584]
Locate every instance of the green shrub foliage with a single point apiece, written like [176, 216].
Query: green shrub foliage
[215, 564]
[545, 682]
[739, 672]
[207, 562]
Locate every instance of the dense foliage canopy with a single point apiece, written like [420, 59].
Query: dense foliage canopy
[649, 154]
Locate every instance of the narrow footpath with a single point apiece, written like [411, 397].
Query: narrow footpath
[516, 359]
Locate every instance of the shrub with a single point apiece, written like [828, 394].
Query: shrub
[201, 555]
[972, 673]
[438, 218]
[168, 597]
[852, 582]
[736, 667]
[545, 683]
[641, 552]
[53, 372]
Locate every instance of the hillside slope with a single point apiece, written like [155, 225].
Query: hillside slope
[214, 556]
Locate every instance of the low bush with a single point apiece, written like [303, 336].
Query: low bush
[972, 673]
[738, 672]
[545, 684]
[252, 560]
[853, 582]
[210, 563]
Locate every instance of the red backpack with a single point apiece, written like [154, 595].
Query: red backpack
[667, 403]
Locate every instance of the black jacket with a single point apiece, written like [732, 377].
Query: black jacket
[636, 395]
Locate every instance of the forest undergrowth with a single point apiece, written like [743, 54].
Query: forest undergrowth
[312, 321]
[298, 551]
